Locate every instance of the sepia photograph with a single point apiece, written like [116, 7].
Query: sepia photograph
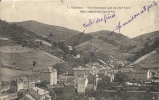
[79, 50]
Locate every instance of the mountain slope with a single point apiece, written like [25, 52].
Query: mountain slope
[44, 30]
[142, 38]
[79, 38]
[145, 39]
[18, 48]
[151, 62]
[114, 38]
[147, 43]
[114, 42]
[22, 57]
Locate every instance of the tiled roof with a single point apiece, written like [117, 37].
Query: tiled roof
[48, 96]
[80, 80]
[81, 68]
[22, 79]
[90, 86]
[50, 69]
[40, 91]
[139, 71]
[30, 97]
[102, 71]
[155, 78]
[126, 69]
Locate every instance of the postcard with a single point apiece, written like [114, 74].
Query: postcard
[79, 50]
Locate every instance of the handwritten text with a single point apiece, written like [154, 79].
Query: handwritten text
[105, 18]
[119, 25]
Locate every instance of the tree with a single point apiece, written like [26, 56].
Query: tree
[73, 52]
[40, 43]
[121, 77]
[154, 88]
[53, 95]
[13, 87]
[34, 63]
[104, 83]
[63, 47]
[61, 68]
[44, 83]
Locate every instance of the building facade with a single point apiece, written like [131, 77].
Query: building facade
[139, 74]
[24, 83]
[49, 75]
[81, 70]
[80, 85]
[36, 94]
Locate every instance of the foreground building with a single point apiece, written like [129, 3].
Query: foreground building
[22, 83]
[81, 70]
[139, 74]
[11, 96]
[80, 84]
[50, 75]
[36, 94]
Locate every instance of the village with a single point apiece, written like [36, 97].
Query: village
[84, 83]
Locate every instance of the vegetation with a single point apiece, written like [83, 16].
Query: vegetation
[104, 83]
[42, 84]
[121, 77]
[13, 87]
[34, 63]
[145, 50]
[126, 95]
[63, 68]
[123, 48]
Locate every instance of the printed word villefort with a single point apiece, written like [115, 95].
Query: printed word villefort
[105, 18]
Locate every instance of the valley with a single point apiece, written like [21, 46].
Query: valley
[32, 49]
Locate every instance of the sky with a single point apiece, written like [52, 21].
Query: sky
[56, 12]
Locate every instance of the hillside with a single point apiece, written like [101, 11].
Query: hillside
[124, 43]
[147, 43]
[145, 39]
[148, 36]
[150, 62]
[120, 38]
[83, 38]
[18, 48]
[116, 45]
[22, 57]
[44, 30]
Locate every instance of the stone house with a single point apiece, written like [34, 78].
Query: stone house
[36, 94]
[80, 85]
[50, 75]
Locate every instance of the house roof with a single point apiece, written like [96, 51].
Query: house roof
[91, 98]
[81, 68]
[139, 71]
[40, 91]
[155, 78]
[50, 69]
[48, 96]
[30, 97]
[126, 69]
[22, 79]
[102, 71]
[80, 79]
[90, 86]
[92, 64]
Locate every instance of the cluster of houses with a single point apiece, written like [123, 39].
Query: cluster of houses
[24, 88]
[85, 81]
